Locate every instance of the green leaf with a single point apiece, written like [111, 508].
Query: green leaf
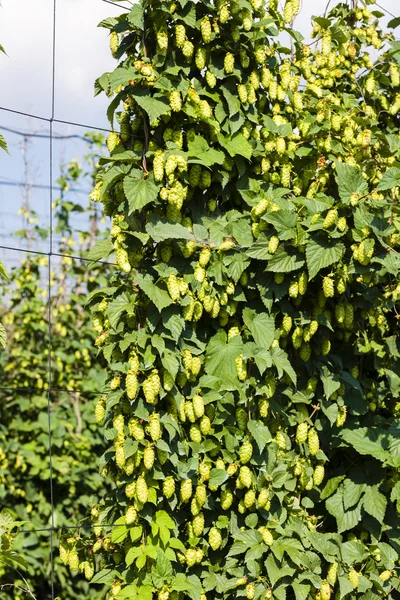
[221, 355]
[284, 222]
[375, 503]
[118, 305]
[260, 433]
[346, 587]
[366, 441]
[159, 297]
[140, 192]
[161, 229]
[163, 566]
[3, 336]
[390, 179]
[261, 326]
[352, 493]
[236, 145]
[199, 152]
[101, 249]
[321, 254]
[353, 552]
[283, 364]
[282, 262]
[119, 533]
[331, 486]
[155, 107]
[217, 477]
[105, 576]
[163, 519]
[129, 592]
[136, 16]
[350, 181]
[301, 590]
[3, 143]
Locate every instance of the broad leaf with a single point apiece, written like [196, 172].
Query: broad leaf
[350, 181]
[321, 254]
[140, 192]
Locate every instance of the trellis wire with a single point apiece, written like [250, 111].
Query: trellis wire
[50, 390]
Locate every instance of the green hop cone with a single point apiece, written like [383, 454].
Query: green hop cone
[180, 35]
[191, 557]
[246, 452]
[131, 515]
[214, 538]
[130, 490]
[155, 427]
[305, 351]
[353, 577]
[113, 141]
[131, 384]
[267, 536]
[250, 591]
[328, 287]
[169, 487]
[313, 442]
[211, 79]
[175, 101]
[64, 554]
[281, 440]
[198, 406]
[263, 407]
[114, 43]
[318, 475]
[249, 499]
[263, 498]
[325, 347]
[332, 573]
[241, 419]
[100, 411]
[205, 425]
[201, 494]
[273, 244]
[287, 323]
[195, 434]
[294, 289]
[185, 491]
[148, 457]
[135, 429]
[122, 260]
[198, 524]
[325, 590]
[142, 491]
[226, 499]
[201, 58]
[229, 63]
[245, 476]
[297, 338]
[240, 368]
[206, 31]
[330, 219]
[73, 560]
[302, 433]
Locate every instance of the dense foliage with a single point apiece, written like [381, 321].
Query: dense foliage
[76, 376]
[252, 329]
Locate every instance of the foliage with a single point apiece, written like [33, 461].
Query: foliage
[76, 376]
[252, 329]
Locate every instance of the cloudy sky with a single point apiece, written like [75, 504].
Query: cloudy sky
[82, 54]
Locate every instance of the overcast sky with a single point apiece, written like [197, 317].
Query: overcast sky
[82, 54]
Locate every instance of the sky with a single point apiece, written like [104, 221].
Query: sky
[82, 55]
